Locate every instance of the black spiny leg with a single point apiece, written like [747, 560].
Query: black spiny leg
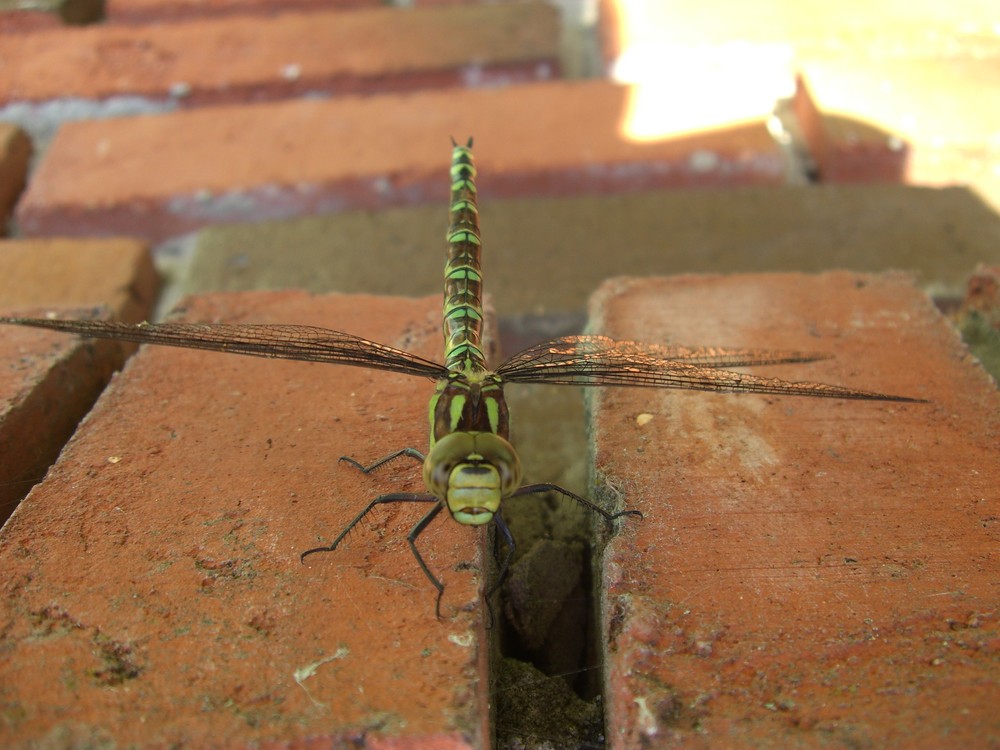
[531, 489]
[416, 531]
[399, 497]
[508, 538]
[411, 452]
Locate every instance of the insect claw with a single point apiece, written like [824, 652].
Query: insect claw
[627, 513]
[304, 555]
[437, 603]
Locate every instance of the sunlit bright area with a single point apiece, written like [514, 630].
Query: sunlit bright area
[701, 66]
[682, 83]
[676, 92]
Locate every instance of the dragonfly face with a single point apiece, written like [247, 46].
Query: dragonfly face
[472, 472]
[471, 466]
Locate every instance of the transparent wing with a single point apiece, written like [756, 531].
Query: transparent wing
[598, 360]
[306, 343]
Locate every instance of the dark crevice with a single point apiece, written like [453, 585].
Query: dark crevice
[547, 672]
[546, 657]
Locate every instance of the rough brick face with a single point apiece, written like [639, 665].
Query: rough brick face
[802, 563]
[153, 582]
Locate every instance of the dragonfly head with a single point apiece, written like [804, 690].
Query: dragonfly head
[472, 472]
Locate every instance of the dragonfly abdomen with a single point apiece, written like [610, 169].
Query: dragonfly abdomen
[463, 277]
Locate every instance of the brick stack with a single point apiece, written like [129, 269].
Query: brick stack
[818, 570]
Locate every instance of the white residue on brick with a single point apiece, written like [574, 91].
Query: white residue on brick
[41, 120]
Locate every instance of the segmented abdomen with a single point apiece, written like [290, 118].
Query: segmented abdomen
[463, 277]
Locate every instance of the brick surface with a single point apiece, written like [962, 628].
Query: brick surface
[49, 382]
[153, 592]
[160, 176]
[253, 58]
[808, 570]
[21, 21]
[940, 234]
[147, 11]
[15, 153]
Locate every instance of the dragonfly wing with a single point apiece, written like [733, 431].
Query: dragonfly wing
[597, 360]
[307, 343]
[708, 356]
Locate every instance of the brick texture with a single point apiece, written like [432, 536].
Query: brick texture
[152, 586]
[245, 58]
[940, 234]
[49, 382]
[190, 169]
[808, 570]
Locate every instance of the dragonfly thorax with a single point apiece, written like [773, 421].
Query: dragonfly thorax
[468, 402]
[472, 472]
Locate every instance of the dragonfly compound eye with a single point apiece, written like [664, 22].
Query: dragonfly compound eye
[472, 473]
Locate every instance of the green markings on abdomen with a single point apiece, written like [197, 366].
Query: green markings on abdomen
[463, 277]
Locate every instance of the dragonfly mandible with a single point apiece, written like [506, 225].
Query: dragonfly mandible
[471, 466]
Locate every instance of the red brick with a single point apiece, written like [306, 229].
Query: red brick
[252, 58]
[189, 169]
[844, 149]
[49, 382]
[807, 570]
[15, 154]
[22, 21]
[152, 583]
[148, 11]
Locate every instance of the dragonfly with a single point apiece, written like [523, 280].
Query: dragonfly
[471, 466]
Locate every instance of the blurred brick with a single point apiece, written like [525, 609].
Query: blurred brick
[945, 109]
[190, 169]
[152, 584]
[979, 318]
[983, 292]
[807, 570]
[15, 154]
[940, 234]
[845, 149]
[242, 58]
[49, 382]
[23, 21]
[157, 11]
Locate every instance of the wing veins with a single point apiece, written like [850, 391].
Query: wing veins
[273, 341]
[601, 361]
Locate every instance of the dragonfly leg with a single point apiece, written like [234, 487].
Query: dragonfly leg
[399, 497]
[416, 531]
[504, 565]
[531, 489]
[411, 452]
